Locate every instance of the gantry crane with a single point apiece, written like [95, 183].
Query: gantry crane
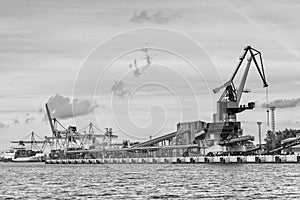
[35, 145]
[89, 135]
[109, 136]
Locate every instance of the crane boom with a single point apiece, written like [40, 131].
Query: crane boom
[50, 120]
[253, 53]
[243, 82]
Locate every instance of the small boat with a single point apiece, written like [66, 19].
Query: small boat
[7, 156]
[23, 153]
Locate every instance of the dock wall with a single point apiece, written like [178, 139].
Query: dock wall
[174, 160]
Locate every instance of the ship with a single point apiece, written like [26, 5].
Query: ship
[31, 150]
[7, 156]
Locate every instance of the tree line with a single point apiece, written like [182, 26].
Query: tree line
[273, 140]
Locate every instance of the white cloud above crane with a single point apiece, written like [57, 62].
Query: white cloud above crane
[64, 107]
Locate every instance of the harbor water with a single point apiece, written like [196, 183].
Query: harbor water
[149, 181]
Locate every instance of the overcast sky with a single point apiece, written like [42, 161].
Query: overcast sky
[52, 47]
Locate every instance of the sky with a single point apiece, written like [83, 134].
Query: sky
[94, 52]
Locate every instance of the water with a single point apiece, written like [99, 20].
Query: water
[149, 181]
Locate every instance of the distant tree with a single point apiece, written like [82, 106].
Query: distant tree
[270, 140]
[273, 140]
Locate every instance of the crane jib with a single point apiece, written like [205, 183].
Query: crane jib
[259, 69]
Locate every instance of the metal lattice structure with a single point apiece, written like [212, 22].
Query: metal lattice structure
[31, 139]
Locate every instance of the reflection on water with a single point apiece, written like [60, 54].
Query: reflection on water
[149, 181]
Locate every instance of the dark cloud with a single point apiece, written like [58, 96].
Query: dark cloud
[16, 121]
[157, 17]
[119, 89]
[139, 70]
[63, 107]
[41, 110]
[28, 118]
[3, 125]
[284, 103]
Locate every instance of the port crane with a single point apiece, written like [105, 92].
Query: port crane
[229, 103]
[89, 135]
[69, 139]
[225, 120]
[109, 136]
[65, 137]
[31, 139]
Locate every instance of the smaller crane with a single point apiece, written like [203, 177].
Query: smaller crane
[88, 134]
[67, 137]
[34, 144]
[109, 135]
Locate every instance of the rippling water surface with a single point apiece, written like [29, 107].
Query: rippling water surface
[149, 181]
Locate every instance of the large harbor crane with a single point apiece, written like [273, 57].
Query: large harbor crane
[229, 103]
[225, 126]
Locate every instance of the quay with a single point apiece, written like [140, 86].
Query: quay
[257, 159]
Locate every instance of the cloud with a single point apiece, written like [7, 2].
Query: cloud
[284, 103]
[29, 118]
[16, 120]
[139, 70]
[157, 17]
[3, 125]
[41, 110]
[63, 107]
[119, 89]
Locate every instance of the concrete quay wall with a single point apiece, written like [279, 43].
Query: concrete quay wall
[174, 160]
